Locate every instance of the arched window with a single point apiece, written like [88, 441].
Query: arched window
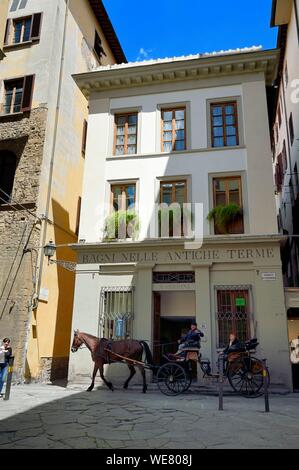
[8, 164]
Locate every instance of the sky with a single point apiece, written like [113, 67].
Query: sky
[151, 29]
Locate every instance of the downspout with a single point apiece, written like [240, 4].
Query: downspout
[45, 217]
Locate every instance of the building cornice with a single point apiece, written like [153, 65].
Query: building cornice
[134, 75]
[172, 243]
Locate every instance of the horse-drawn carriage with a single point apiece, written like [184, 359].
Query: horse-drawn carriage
[245, 373]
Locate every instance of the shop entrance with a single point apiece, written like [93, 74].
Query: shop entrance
[293, 331]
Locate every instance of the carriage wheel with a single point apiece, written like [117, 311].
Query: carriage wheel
[245, 376]
[172, 379]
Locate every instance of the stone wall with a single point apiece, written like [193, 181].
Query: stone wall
[23, 134]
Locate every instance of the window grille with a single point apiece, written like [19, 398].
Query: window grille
[175, 277]
[233, 313]
[116, 312]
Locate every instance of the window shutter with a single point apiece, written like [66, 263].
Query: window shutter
[84, 136]
[7, 30]
[27, 92]
[36, 26]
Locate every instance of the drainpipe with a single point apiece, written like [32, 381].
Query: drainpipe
[45, 217]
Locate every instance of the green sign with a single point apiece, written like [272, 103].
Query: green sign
[240, 302]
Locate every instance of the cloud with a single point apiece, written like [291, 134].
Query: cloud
[144, 54]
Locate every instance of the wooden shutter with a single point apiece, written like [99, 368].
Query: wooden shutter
[36, 26]
[84, 136]
[7, 30]
[27, 92]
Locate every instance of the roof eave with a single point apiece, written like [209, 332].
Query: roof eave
[204, 67]
[102, 16]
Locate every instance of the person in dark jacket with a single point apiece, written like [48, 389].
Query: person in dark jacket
[233, 340]
[192, 339]
[5, 353]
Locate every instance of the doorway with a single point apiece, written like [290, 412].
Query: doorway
[293, 332]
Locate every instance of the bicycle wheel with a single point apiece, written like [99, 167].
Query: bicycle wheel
[245, 376]
[172, 379]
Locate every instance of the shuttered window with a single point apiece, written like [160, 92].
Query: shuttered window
[18, 95]
[25, 29]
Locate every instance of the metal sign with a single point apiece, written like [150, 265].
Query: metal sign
[269, 276]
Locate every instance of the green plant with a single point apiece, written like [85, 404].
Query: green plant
[223, 215]
[122, 225]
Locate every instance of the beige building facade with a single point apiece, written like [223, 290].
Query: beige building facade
[190, 130]
[43, 123]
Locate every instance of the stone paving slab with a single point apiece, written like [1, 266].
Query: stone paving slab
[47, 416]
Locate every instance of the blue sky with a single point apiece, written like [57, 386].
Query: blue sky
[166, 28]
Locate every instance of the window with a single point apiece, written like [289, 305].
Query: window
[279, 173]
[84, 136]
[98, 48]
[18, 95]
[296, 178]
[78, 215]
[279, 115]
[291, 127]
[224, 121]
[116, 312]
[232, 315]
[177, 277]
[286, 75]
[123, 196]
[173, 129]
[173, 192]
[8, 165]
[228, 191]
[125, 136]
[22, 30]
[284, 157]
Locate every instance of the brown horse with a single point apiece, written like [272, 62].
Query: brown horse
[132, 349]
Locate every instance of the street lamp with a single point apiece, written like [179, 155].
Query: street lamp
[49, 251]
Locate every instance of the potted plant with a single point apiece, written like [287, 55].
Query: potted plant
[120, 225]
[224, 216]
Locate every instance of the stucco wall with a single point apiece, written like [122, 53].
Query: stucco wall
[252, 160]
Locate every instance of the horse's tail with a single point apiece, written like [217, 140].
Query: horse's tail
[148, 354]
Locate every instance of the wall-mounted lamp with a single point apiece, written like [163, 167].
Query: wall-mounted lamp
[49, 251]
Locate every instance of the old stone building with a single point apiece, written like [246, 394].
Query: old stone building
[285, 156]
[43, 121]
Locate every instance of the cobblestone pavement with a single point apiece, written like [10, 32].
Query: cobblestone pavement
[48, 416]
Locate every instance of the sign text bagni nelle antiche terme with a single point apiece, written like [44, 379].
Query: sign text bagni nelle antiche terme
[178, 256]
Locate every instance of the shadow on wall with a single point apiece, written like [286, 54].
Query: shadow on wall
[66, 285]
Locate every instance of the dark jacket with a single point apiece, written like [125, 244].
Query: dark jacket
[192, 335]
[228, 347]
[8, 353]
